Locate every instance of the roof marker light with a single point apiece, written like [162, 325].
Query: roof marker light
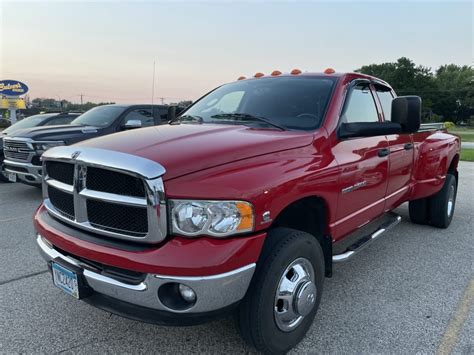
[258, 75]
[276, 73]
[241, 78]
[329, 71]
[295, 72]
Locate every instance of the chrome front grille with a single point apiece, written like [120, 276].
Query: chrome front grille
[62, 201]
[63, 172]
[13, 143]
[119, 218]
[114, 194]
[17, 149]
[113, 182]
[20, 156]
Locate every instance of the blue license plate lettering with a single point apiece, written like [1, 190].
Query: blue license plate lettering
[66, 280]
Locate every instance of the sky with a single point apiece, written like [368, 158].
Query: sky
[106, 50]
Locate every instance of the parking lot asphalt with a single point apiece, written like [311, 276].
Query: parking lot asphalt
[409, 292]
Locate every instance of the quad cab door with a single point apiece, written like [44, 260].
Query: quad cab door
[401, 154]
[363, 162]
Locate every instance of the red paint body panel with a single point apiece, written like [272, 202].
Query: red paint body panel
[400, 170]
[186, 148]
[276, 181]
[177, 257]
[359, 162]
[271, 169]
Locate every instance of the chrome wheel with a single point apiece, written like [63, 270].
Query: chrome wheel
[450, 206]
[296, 295]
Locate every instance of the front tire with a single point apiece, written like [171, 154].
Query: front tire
[285, 292]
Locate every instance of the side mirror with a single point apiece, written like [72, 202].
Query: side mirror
[406, 110]
[131, 124]
[368, 129]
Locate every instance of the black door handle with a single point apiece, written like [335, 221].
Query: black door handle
[408, 146]
[383, 152]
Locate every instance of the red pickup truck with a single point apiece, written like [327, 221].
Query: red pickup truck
[242, 203]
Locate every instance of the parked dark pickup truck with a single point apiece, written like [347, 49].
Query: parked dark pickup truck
[24, 148]
[44, 119]
[245, 203]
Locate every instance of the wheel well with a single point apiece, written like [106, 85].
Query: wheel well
[309, 215]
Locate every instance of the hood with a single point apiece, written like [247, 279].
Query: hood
[187, 148]
[67, 133]
[10, 133]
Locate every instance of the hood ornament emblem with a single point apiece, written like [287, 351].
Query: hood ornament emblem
[75, 155]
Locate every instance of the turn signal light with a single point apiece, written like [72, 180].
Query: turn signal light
[276, 72]
[241, 78]
[329, 71]
[246, 215]
[258, 75]
[295, 72]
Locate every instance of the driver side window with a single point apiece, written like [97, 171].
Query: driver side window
[361, 106]
[143, 115]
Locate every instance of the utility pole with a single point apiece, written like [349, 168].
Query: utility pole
[81, 95]
[162, 100]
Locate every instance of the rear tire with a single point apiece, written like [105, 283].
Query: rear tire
[442, 204]
[285, 292]
[418, 210]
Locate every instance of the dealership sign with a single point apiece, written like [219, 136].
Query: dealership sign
[12, 88]
[13, 104]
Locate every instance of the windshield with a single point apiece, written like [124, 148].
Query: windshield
[296, 103]
[100, 116]
[28, 122]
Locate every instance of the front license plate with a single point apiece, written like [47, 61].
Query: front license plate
[12, 177]
[66, 280]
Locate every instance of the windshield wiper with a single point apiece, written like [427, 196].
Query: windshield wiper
[248, 117]
[177, 120]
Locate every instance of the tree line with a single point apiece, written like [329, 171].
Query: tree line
[50, 104]
[447, 92]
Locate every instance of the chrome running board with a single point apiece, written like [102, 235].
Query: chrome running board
[368, 239]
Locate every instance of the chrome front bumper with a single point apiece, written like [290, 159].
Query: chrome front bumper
[213, 292]
[31, 174]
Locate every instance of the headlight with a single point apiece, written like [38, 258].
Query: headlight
[46, 145]
[215, 218]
